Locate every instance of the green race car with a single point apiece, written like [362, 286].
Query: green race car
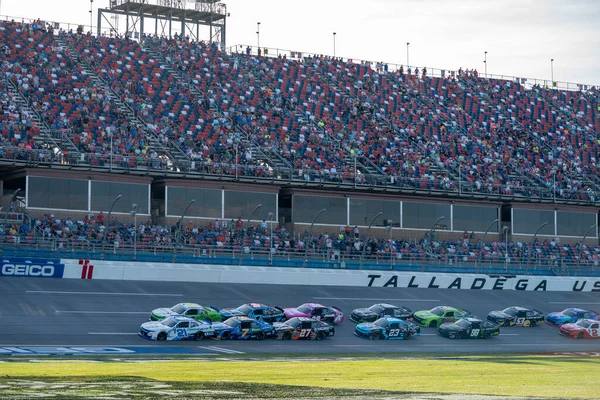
[438, 315]
[190, 310]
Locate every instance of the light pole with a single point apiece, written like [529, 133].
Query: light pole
[271, 215]
[91, 9]
[252, 214]
[311, 228]
[334, 33]
[505, 232]
[390, 227]
[180, 224]
[485, 62]
[533, 243]
[111, 150]
[258, 34]
[134, 213]
[433, 228]
[583, 243]
[10, 201]
[485, 235]
[368, 238]
[552, 71]
[407, 57]
[113, 206]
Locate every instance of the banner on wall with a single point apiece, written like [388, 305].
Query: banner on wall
[31, 267]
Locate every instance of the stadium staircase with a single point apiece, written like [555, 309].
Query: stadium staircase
[46, 136]
[177, 158]
[266, 156]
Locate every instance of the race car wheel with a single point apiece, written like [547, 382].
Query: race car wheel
[286, 336]
[533, 323]
[506, 323]
[580, 336]
[376, 336]
[260, 336]
[332, 332]
[487, 335]
[433, 324]
[199, 336]
[225, 336]
[320, 336]
[161, 336]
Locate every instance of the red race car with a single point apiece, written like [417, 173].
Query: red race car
[582, 329]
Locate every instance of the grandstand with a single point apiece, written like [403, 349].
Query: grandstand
[289, 157]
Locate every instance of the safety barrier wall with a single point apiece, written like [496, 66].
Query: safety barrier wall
[114, 270]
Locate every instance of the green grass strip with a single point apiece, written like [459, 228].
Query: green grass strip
[539, 376]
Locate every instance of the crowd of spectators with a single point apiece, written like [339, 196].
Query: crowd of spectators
[220, 237]
[320, 115]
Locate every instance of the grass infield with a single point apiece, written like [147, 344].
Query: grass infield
[535, 376]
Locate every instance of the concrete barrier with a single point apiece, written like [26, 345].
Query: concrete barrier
[143, 271]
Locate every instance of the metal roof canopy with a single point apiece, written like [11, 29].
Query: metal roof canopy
[207, 13]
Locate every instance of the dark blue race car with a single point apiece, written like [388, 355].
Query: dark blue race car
[257, 311]
[243, 328]
[387, 328]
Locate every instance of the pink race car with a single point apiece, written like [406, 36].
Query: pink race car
[332, 315]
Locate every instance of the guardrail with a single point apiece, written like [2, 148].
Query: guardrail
[199, 169]
[302, 258]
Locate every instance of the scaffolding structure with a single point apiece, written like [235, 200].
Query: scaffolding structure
[169, 17]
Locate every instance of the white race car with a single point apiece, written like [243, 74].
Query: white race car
[176, 328]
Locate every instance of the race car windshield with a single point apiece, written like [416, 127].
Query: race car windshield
[170, 322]
[304, 309]
[231, 322]
[244, 308]
[376, 308]
[438, 311]
[463, 323]
[381, 322]
[569, 313]
[583, 324]
[178, 309]
[510, 311]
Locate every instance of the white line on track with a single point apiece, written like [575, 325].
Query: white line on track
[221, 350]
[502, 334]
[106, 293]
[112, 333]
[571, 302]
[371, 299]
[103, 312]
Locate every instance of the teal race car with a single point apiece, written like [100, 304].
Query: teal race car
[190, 310]
[438, 315]
[387, 328]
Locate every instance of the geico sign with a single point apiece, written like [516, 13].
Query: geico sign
[27, 270]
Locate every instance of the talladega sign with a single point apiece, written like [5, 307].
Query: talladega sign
[483, 282]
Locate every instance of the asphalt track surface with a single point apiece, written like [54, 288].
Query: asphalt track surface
[65, 312]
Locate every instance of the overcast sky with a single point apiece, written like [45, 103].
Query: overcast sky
[520, 36]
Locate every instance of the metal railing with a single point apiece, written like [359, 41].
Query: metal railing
[394, 67]
[176, 252]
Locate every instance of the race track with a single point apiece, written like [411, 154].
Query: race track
[65, 312]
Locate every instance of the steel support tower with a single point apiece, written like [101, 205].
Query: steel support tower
[185, 17]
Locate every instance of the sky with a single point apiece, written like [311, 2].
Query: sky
[520, 36]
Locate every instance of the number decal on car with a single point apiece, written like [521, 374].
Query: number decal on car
[304, 333]
[520, 321]
[475, 333]
[245, 332]
[181, 332]
[394, 332]
[594, 332]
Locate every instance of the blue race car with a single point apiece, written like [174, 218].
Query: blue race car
[570, 316]
[257, 311]
[243, 328]
[387, 328]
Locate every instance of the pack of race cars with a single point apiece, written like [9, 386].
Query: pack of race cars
[382, 321]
